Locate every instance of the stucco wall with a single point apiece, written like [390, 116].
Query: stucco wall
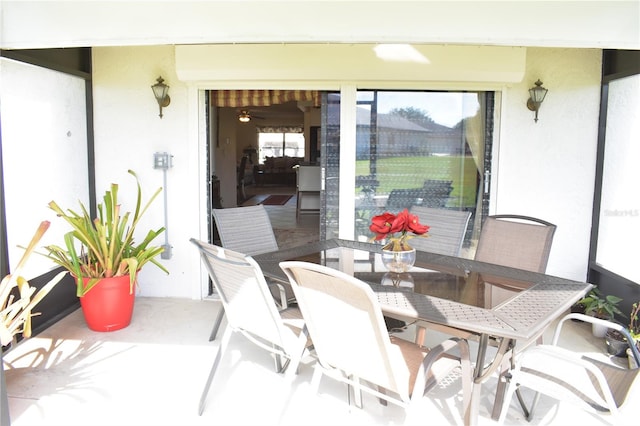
[547, 169]
[128, 132]
[543, 169]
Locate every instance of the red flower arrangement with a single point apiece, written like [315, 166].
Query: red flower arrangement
[386, 225]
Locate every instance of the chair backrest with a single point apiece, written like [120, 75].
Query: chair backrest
[447, 229]
[241, 169]
[245, 296]
[246, 230]
[516, 241]
[347, 327]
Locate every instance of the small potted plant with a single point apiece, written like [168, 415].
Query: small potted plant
[600, 307]
[104, 257]
[634, 331]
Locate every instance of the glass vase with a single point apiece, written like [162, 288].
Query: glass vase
[398, 261]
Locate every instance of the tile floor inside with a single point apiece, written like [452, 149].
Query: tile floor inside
[153, 372]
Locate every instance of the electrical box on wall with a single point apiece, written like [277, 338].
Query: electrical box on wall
[162, 160]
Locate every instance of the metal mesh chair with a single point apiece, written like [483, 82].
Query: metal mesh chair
[447, 229]
[593, 385]
[350, 339]
[251, 310]
[248, 230]
[516, 241]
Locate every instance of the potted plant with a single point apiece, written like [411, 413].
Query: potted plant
[104, 257]
[634, 331]
[17, 301]
[600, 307]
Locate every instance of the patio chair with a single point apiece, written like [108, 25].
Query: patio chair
[596, 386]
[251, 310]
[521, 242]
[517, 241]
[447, 229]
[446, 232]
[352, 345]
[248, 230]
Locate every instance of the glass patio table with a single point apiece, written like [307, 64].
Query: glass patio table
[494, 304]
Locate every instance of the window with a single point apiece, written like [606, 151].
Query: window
[279, 142]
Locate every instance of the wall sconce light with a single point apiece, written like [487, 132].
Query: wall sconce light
[244, 116]
[161, 92]
[536, 96]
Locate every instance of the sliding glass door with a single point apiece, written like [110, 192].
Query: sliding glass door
[413, 148]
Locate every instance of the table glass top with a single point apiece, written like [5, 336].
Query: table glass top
[463, 293]
[432, 275]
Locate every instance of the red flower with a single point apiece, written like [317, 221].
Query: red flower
[412, 224]
[381, 225]
[387, 224]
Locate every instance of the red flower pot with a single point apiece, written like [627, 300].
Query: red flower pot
[108, 306]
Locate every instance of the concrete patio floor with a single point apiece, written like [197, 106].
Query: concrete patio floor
[152, 373]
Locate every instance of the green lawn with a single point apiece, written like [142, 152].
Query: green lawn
[411, 172]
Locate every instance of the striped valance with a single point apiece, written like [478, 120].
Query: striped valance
[252, 98]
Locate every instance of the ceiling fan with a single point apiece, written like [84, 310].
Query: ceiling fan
[244, 116]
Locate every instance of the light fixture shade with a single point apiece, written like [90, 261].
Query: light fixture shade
[161, 93]
[538, 92]
[536, 96]
[244, 117]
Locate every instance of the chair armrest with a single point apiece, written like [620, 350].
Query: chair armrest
[448, 345]
[282, 292]
[437, 352]
[584, 318]
[593, 320]
[533, 362]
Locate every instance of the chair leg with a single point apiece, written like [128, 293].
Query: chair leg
[536, 398]
[420, 335]
[280, 366]
[315, 379]
[296, 358]
[357, 392]
[503, 382]
[223, 344]
[216, 324]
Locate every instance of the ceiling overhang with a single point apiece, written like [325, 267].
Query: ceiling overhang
[350, 62]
